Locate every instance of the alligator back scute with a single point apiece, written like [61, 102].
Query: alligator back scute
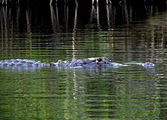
[21, 63]
[95, 62]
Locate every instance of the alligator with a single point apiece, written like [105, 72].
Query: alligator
[94, 62]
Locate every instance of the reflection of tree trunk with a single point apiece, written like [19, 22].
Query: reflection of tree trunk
[11, 29]
[108, 15]
[17, 18]
[66, 16]
[28, 19]
[74, 52]
[126, 12]
[93, 2]
[97, 2]
[92, 14]
[4, 9]
[1, 19]
[95, 14]
[162, 38]
[51, 1]
[74, 33]
[98, 19]
[113, 17]
[107, 2]
[152, 38]
[54, 19]
[4, 2]
[130, 14]
[151, 10]
[76, 3]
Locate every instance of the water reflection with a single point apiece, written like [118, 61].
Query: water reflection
[60, 32]
[109, 15]
[133, 37]
[55, 19]
[80, 94]
[95, 12]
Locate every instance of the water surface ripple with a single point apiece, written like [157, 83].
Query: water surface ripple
[122, 93]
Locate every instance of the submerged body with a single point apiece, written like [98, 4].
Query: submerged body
[94, 62]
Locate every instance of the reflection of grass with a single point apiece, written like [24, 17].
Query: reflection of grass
[123, 93]
[29, 96]
[44, 48]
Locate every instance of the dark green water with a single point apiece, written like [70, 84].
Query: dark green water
[123, 93]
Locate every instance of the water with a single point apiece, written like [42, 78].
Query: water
[123, 93]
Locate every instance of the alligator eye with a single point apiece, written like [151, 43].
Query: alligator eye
[99, 60]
